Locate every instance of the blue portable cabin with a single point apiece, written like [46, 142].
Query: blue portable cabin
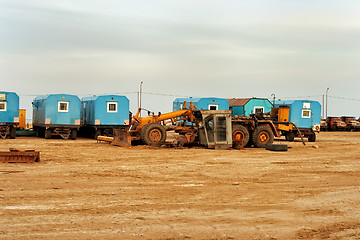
[244, 107]
[304, 113]
[57, 114]
[202, 103]
[103, 113]
[9, 113]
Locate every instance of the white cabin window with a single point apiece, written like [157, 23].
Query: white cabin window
[306, 113]
[306, 105]
[63, 106]
[112, 107]
[258, 110]
[181, 106]
[3, 106]
[213, 107]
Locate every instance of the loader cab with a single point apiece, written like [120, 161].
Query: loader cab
[215, 129]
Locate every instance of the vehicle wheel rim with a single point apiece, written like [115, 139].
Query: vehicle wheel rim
[238, 136]
[264, 137]
[155, 135]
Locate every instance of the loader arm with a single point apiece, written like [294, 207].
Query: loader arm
[165, 118]
[186, 114]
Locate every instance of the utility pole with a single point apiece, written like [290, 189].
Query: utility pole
[327, 100]
[323, 107]
[140, 96]
[138, 99]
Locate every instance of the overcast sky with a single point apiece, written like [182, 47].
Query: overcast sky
[228, 48]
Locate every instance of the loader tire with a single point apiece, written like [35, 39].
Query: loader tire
[262, 136]
[240, 132]
[277, 147]
[153, 133]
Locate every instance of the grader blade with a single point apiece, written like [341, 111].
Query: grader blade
[185, 139]
[20, 156]
[105, 139]
[122, 138]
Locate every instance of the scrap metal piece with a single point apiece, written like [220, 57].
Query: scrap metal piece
[189, 137]
[20, 156]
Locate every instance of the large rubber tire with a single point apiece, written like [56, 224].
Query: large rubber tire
[73, 134]
[312, 137]
[250, 143]
[97, 133]
[153, 133]
[262, 136]
[277, 147]
[290, 136]
[39, 132]
[12, 132]
[239, 131]
[48, 133]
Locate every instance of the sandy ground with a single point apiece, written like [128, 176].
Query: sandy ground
[87, 190]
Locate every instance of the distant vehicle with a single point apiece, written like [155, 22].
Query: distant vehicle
[335, 124]
[351, 123]
[323, 125]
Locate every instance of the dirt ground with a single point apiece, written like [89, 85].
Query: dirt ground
[87, 190]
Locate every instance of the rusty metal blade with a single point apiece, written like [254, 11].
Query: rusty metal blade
[105, 139]
[122, 138]
[19, 156]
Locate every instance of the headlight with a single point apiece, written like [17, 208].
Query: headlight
[316, 128]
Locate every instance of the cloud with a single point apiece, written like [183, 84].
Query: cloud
[197, 48]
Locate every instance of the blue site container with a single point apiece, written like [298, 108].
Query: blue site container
[306, 114]
[202, 103]
[57, 114]
[9, 113]
[104, 112]
[9, 108]
[244, 107]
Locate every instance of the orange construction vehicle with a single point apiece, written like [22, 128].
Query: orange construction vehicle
[210, 128]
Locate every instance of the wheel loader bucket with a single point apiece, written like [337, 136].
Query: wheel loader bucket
[122, 138]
